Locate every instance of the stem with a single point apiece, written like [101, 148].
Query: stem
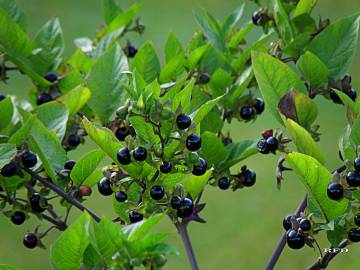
[281, 244]
[182, 229]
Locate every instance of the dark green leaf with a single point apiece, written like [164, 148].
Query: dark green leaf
[173, 47]
[75, 99]
[7, 153]
[6, 112]
[212, 149]
[313, 69]
[111, 10]
[147, 63]
[14, 11]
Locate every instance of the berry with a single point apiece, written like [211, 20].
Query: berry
[130, 51]
[200, 168]
[183, 121]
[227, 140]
[305, 225]
[204, 78]
[135, 216]
[74, 140]
[69, 165]
[357, 164]
[140, 153]
[120, 196]
[335, 191]
[157, 192]
[166, 167]
[176, 202]
[43, 98]
[2, 97]
[354, 235]
[294, 239]
[357, 220]
[351, 94]
[256, 18]
[186, 208]
[104, 187]
[35, 203]
[287, 225]
[29, 159]
[30, 240]
[272, 143]
[193, 142]
[249, 178]
[123, 156]
[263, 147]
[121, 133]
[9, 170]
[259, 106]
[51, 77]
[353, 179]
[18, 218]
[247, 112]
[85, 190]
[224, 183]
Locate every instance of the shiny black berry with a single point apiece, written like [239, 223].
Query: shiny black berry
[357, 164]
[121, 133]
[183, 121]
[176, 202]
[166, 167]
[157, 192]
[43, 98]
[29, 159]
[353, 179]
[104, 187]
[74, 140]
[247, 112]
[249, 178]
[294, 239]
[204, 78]
[335, 191]
[9, 170]
[256, 18]
[354, 235]
[272, 143]
[69, 165]
[51, 77]
[305, 225]
[140, 153]
[2, 97]
[224, 183]
[130, 51]
[193, 142]
[36, 203]
[30, 240]
[259, 106]
[120, 196]
[263, 147]
[200, 168]
[186, 208]
[123, 156]
[357, 220]
[287, 223]
[18, 218]
[135, 216]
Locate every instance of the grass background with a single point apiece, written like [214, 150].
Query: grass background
[243, 227]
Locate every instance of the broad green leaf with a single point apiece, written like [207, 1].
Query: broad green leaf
[11, 184]
[212, 149]
[238, 152]
[303, 140]
[147, 63]
[219, 83]
[144, 129]
[139, 230]
[111, 10]
[183, 97]
[239, 87]
[316, 178]
[346, 100]
[240, 35]
[86, 165]
[7, 153]
[6, 112]
[80, 62]
[91, 257]
[151, 240]
[8, 267]
[104, 83]
[195, 184]
[275, 79]
[233, 19]
[212, 122]
[214, 59]
[173, 69]
[75, 99]
[93, 178]
[124, 18]
[121, 209]
[283, 23]
[337, 44]
[196, 55]
[14, 12]
[199, 114]
[313, 69]
[297, 46]
[73, 79]
[346, 145]
[304, 7]
[172, 179]
[106, 42]
[20, 135]
[173, 47]
[67, 251]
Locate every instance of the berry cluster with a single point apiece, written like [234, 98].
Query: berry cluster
[269, 143]
[253, 108]
[354, 233]
[24, 158]
[296, 231]
[344, 86]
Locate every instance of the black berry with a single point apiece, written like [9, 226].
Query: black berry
[104, 187]
[186, 208]
[351, 94]
[9, 170]
[166, 167]
[200, 169]
[29, 159]
[157, 192]
[305, 225]
[335, 191]
[357, 164]
[123, 156]
[120, 196]
[263, 147]
[256, 18]
[74, 140]
[43, 98]
[140, 153]
[354, 235]
[193, 142]
[224, 183]
[227, 140]
[249, 178]
[69, 165]
[135, 216]
[247, 112]
[259, 106]
[353, 179]
[294, 239]
[183, 121]
[176, 202]
[35, 203]
[18, 218]
[204, 78]
[130, 51]
[357, 220]
[51, 77]
[287, 223]
[2, 97]
[121, 133]
[272, 143]
[30, 240]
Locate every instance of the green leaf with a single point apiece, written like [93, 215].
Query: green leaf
[20, 135]
[173, 47]
[172, 179]
[316, 178]
[212, 149]
[219, 83]
[6, 112]
[275, 79]
[199, 114]
[7, 153]
[304, 7]
[86, 165]
[111, 10]
[104, 83]
[139, 230]
[239, 151]
[196, 55]
[93, 178]
[183, 97]
[195, 184]
[283, 23]
[147, 63]
[346, 145]
[240, 35]
[144, 129]
[303, 140]
[313, 69]
[8, 267]
[91, 257]
[75, 99]
[355, 131]
[337, 44]
[67, 251]
[173, 69]
[13, 10]
[124, 18]
[239, 87]
[233, 19]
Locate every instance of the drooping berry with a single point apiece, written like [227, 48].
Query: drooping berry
[166, 167]
[249, 178]
[130, 51]
[247, 112]
[224, 183]
[357, 220]
[51, 77]
[204, 78]
[259, 106]
[157, 192]
[135, 216]
[104, 187]
[43, 98]
[357, 164]
[123, 156]
[262, 147]
[37, 204]
[2, 97]
[193, 142]
[335, 191]
[121, 196]
[140, 153]
[200, 168]
[121, 133]
[183, 121]
[287, 223]
[176, 202]
[354, 235]
[18, 218]
[272, 143]
[30, 240]
[353, 179]
[186, 208]
[294, 239]
[9, 170]
[29, 159]
[74, 140]
[69, 165]
[305, 225]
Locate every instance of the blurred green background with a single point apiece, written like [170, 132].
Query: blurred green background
[243, 227]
